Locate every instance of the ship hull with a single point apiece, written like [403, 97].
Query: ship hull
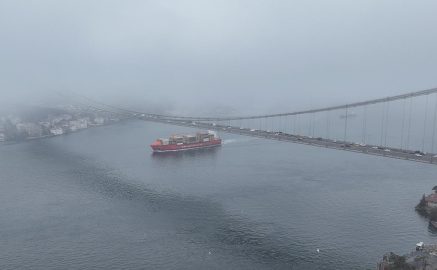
[185, 147]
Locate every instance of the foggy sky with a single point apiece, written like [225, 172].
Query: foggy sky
[258, 56]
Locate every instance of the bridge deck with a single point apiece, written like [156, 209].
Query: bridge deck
[300, 139]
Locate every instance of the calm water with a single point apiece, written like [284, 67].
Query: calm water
[100, 199]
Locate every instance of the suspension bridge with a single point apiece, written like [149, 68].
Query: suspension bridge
[401, 126]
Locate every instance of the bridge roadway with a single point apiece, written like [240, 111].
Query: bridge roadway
[375, 150]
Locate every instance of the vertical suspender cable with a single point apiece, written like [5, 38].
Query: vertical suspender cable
[290, 127]
[386, 123]
[309, 125]
[382, 123]
[409, 123]
[298, 124]
[364, 132]
[327, 124]
[290, 123]
[272, 123]
[294, 124]
[345, 126]
[403, 123]
[280, 123]
[313, 122]
[283, 123]
[275, 121]
[312, 125]
[308, 128]
[424, 124]
[433, 125]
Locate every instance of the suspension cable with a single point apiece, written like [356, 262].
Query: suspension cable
[350, 105]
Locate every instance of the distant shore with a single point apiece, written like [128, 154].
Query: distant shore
[12, 142]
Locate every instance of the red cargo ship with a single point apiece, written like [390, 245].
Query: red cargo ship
[186, 142]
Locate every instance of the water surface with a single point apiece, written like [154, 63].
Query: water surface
[100, 199]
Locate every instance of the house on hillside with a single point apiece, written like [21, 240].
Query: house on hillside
[431, 200]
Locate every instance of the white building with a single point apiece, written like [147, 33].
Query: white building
[78, 124]
[57, 119]
[431, 200]
[32, 130]
[14, 119]
[57, 131]
[99, 120]
[45, 124]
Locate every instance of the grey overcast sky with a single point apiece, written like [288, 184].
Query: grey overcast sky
[257, 55]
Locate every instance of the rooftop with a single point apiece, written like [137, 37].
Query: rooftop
[431, 198]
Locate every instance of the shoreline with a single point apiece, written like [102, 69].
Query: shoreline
[423, 257]
[13, 142]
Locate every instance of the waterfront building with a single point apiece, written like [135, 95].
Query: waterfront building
[31, 129]
[60, 118]
[56, 131]
[99, 120]
[431, 200]
[78, 124]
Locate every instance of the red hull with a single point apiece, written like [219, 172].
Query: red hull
[187, 146]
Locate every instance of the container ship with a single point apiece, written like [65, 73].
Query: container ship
[186, 142]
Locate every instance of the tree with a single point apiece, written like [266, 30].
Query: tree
[399, 262]
[433, 214]
[421, 207]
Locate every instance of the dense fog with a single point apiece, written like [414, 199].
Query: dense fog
[203, 57]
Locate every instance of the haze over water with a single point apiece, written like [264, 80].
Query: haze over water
[100, 199]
